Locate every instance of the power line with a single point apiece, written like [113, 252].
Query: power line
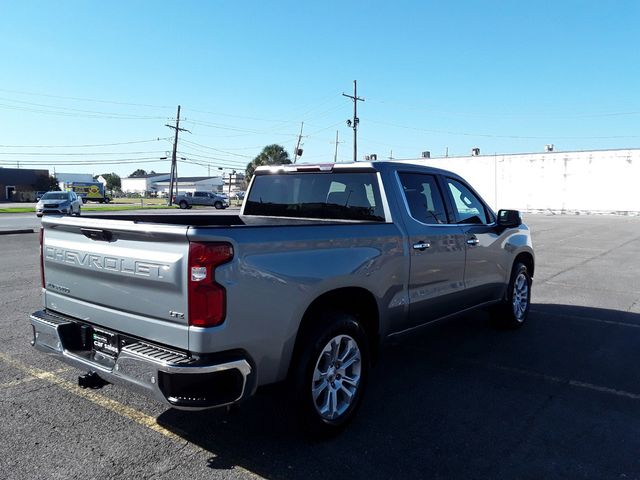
[435, 109]
[100, 115]
[188, 142]
[79, 153]
[209, 157]
[83, 146]
[84, 163]
[523, 137]
[84, 99]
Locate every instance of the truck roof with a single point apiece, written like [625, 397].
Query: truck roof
[351, 166]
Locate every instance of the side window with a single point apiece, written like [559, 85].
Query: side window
[423, 197]
[468, 207]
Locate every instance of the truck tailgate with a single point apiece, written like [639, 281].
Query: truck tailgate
[120, 275]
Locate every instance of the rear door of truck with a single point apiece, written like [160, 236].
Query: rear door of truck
[120, 275]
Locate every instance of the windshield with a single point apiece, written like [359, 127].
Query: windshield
[55, 196]
[344, 196]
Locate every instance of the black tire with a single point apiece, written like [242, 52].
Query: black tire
[107, 200]
[184, 205]
[79, 210]
[514, 309]
[218, 205]
[348, 339]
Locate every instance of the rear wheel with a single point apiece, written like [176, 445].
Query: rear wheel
[184, 205]
[330, 375]
[514, 310]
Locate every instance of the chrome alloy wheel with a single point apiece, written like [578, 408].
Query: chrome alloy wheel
[336, 377]
[520, 299]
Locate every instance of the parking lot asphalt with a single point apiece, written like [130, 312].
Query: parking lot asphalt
[559, 398]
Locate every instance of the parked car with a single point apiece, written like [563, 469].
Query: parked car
[239, 195]
[323, 265]
[66, 203]
[216, 200]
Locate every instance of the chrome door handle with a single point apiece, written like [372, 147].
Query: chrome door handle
[421, 245]
[473, 241]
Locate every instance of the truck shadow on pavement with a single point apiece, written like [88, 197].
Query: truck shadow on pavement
[558, 398]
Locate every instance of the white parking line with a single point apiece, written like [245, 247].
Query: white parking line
[559, 380]
[590, 319]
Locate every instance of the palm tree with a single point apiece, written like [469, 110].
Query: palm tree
[270, 155]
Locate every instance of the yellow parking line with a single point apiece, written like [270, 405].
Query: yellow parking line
[27, 379]
[107, 403]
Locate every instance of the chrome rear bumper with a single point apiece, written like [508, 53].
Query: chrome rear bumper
[171, 377]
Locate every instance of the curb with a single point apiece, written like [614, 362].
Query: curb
[11, 232]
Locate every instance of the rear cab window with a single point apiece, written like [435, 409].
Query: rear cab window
[424, 198]
[330, 195]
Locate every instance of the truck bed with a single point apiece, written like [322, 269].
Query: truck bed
[204, 220]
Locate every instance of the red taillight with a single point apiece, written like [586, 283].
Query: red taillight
[41, 257]
[207, 299]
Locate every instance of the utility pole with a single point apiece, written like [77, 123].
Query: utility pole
[335, 155]
[295, 153]
[391, 155]
[233, 172]
[174, 164]
[356, 120]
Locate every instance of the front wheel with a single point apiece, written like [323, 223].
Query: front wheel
[331, 374]
[218, 205]
[514, 310]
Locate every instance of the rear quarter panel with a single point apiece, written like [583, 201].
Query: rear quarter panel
[279, 271]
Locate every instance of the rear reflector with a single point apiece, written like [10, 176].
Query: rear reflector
[207, 299]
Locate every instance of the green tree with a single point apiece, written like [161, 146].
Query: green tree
[138, 173]
[270, 155]
[113, 181]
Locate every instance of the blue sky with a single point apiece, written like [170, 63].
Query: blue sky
[506, 76]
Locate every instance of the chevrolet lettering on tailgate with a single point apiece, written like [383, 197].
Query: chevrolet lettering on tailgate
[106, 263]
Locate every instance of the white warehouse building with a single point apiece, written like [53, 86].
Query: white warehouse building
[594, 181]
[186, 185]
[143, 183]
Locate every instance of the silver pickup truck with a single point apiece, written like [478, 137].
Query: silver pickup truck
[202, 198]
[323, 264]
